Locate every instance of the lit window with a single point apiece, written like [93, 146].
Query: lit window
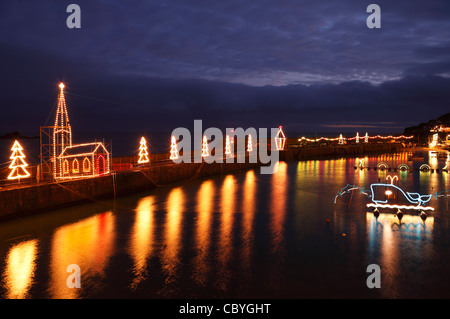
[66, 167]
[86, 165]
[75, 166]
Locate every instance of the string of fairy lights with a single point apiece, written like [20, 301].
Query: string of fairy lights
[357, 138]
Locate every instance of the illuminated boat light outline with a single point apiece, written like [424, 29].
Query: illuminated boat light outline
[407, 207]
[413, 198]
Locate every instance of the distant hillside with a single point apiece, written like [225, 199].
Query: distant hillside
[424, 128]
[15, 136]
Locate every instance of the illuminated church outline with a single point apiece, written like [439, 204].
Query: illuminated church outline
[75, 160]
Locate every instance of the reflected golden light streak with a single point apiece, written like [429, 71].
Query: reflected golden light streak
[19, 271]
[228, 193]
[249, 209]
[89, 243]
[278, 203]
[205, 197]
[141, 239]
[172, 234]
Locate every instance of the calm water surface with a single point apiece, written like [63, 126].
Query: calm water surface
[242, 235]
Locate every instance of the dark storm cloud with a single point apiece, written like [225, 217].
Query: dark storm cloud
[100, 102]
[252, 42]
[305, 64]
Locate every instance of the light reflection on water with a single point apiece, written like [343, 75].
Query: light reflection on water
[203, 232]
[170, 258]
[238, 235]
[88, 243]
[141, 240]
[387, 232]
[20, 267]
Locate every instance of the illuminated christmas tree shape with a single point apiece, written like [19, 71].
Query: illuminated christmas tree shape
[205, 151]
[227, 145]
[280, 139]
[366, 138]
[249, 144]
[341, 139]
[18, 164]
[143, 153]
[173, 149]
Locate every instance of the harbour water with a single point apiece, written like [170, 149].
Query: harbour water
[242, 235]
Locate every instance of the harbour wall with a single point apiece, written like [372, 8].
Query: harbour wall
[38, 197]
[129, 177]
[339, 151]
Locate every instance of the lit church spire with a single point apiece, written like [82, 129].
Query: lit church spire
[62, 132]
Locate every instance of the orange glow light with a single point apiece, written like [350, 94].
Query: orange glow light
[18, 164]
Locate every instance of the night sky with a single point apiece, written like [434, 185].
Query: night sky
[311, 66]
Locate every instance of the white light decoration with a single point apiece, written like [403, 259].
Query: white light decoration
[173, 148]
[392, 178]
[227, 145]
[143, 153]
[249, 144]
[413, 198]
[340, 139]
[382, 166]
[424, 168]
[361, 163]
[357, 137]
[205, 151]
[280, 139]
[380, 196]
[395, 206]
[446, 162]
[435, 140]
[18, 164]
[366, 138]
